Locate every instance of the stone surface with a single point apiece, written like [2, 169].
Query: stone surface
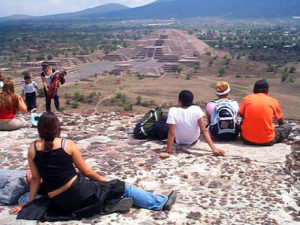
[247, 186]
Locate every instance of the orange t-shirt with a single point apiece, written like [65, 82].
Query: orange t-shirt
[258, 111]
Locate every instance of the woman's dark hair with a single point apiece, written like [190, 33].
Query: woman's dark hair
[186, 98]
[49, 129]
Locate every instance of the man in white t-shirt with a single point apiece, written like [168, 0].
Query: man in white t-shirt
[185, 123]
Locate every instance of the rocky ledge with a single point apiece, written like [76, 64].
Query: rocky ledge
[250, 185]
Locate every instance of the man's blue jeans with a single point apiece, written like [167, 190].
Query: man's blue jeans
[145, 199]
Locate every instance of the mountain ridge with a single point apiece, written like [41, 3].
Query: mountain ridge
[166, 9]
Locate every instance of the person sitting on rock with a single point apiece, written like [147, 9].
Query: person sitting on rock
[185, 123]
[258, 111]
[1, 80]
[10, 105]
[14, 187]
[71, 194]
[222, 114]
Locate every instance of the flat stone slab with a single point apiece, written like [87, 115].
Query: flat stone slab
[247, 186]
[237, 149]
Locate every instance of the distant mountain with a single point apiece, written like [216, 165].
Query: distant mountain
[16, 17]
[94, 13]
[164, 9]
[84, 14]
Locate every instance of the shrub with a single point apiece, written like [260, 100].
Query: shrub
[79, 97]
[238, 76]
[67, 95]
[127, 107]
[68, 102]
[140, 76]
[196, 67]
[227, 61]
[138, 100]
[222, 71]
[74, 105]
[292, 69]
[119, 95]
[208, 53]
[112, 100]
[284, 77]
[123, 98]
[164, 105]
[145, 103]
[92, 94]
[188, 76]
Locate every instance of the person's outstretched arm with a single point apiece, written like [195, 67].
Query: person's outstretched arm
[79, 162]
[207, 138]
[170, 142]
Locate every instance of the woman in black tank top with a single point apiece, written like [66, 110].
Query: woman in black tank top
[71, 194]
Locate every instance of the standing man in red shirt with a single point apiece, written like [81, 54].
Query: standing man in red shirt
[258, 111]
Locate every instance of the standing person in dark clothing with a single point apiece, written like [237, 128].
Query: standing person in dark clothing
[47, 76]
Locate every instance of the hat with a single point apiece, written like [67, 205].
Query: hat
[261, 86]
[222, 88]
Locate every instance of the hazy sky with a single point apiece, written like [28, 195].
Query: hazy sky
[46, 7]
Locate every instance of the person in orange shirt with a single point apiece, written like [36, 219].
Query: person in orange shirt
[258, 111]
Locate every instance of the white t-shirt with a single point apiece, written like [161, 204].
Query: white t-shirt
[187, 130]
[29, 88]
[1, 84]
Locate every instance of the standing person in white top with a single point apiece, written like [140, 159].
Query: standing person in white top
[185, 123]
[222, 114]
[30, 89]
[1, 80]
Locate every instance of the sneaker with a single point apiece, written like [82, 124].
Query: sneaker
[171, 200]
[33, 110]
[121, 206]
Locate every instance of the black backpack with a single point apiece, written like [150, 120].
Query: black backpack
[160, 129]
